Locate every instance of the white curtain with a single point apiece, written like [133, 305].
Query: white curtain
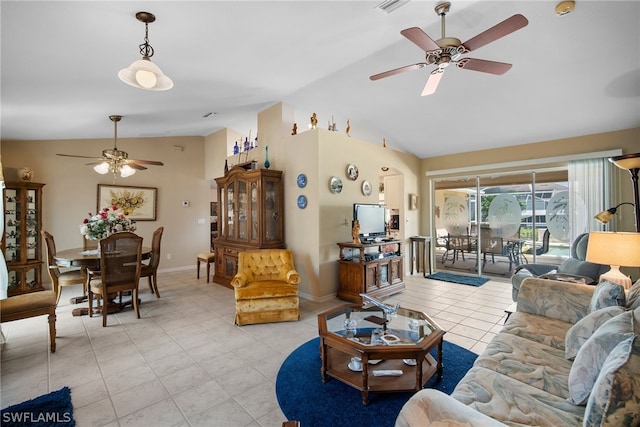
[590, 184]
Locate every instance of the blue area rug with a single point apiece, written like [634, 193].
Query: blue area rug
[51, 410]
[304, 397]
[458, 278]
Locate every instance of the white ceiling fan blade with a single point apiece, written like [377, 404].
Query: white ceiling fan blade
[484, 66]
[398, 71]
[420, 38]
[432, 82]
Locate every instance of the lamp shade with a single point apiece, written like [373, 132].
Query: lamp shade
[617, 250]
[614, 248]
[144, 74]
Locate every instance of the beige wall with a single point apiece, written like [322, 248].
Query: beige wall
[311, 233]
[71, 187]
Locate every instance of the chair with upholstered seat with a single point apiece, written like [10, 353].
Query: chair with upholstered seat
[150, 269]
[33, 304]
[120, 266]
[61, 278]
[266, 287]
[208, 258]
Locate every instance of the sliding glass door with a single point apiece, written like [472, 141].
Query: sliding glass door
[492, 224]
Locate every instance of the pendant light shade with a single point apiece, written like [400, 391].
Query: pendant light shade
[143, 73]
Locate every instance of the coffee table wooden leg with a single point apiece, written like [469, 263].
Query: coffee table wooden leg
[365, 381]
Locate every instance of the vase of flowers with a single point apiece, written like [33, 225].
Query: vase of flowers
[106, 222]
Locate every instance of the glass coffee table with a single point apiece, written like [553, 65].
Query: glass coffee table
[398, 359]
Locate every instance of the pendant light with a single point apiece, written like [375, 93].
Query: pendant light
[143, 73]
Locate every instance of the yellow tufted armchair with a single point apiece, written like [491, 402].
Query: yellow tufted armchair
[266, 287]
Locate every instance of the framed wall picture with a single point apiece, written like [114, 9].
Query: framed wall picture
[214, 208]
[413, 201]
[139, 203]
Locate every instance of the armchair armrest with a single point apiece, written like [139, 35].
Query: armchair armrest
[292, 277]
[239, 280]
[536, 269]
[564, 301]
[433, 407]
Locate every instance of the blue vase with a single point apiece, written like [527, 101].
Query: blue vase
[266, 159]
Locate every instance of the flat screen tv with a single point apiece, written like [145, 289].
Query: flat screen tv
[372, 220]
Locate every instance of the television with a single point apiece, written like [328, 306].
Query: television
[372, 220]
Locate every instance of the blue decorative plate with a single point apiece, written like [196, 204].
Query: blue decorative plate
[302, 202]
[302, 180]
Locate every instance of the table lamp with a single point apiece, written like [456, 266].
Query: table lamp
[617, 249]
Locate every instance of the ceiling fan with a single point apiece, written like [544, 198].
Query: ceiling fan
[116, 161]
[446, 50]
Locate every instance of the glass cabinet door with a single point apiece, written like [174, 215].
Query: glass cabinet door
[231, 233]
[253, 210]
[242, 210]
[32, 226]
[12, 226]
[272, 215]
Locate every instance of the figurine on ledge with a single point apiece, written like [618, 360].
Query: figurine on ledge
[355, 232]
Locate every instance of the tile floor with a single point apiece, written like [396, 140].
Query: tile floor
[185, 363]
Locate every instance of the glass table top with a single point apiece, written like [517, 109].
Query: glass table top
[366, 325]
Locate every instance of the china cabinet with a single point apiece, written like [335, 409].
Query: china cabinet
[250, 216]
[21, 242]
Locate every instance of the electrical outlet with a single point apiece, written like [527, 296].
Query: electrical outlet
[168, 256]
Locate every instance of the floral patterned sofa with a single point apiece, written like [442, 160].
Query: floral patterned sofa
[569, 356]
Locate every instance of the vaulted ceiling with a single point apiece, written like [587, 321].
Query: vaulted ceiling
[572, 75]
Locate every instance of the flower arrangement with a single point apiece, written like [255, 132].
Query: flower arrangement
[107, 221]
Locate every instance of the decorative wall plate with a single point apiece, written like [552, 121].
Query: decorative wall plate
[302, 201]
[352, 172]
[366, 188]
[301, 180]
[335, 185]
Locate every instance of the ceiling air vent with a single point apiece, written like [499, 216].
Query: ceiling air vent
[391, 5]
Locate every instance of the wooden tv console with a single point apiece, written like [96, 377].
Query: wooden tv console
[374, 268]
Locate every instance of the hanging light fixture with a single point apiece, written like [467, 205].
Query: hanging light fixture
[115, 161]
[143, 73]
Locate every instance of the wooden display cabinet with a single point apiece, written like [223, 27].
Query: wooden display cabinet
[250, 216]
[375, 269]
[21, 241]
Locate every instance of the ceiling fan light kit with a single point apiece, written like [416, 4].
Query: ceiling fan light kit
[448, 50]
[143, 73]
[116, 161]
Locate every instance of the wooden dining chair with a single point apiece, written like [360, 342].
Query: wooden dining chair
[61, 278]
[150, 269]
[120, 267]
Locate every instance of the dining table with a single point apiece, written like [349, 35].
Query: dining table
[88, 259]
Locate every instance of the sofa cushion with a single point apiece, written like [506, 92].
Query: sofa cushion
[541, 329]
[593, 353]
[633, 296]
[615, 399]
[529, 362]
[513, 402]
[607, 294]
[579, 333]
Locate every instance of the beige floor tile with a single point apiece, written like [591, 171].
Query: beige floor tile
[185, 363]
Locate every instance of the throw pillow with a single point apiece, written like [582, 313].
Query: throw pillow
[579, 333]
[615, 399]
[633, 296]
[591, 356]
[606, 294]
